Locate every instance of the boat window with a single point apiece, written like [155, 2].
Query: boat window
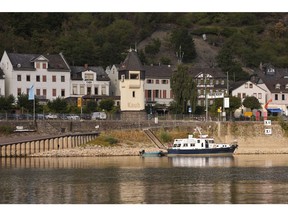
[185, 145]
[179, 145]
[201, 144]
[175, 145]
[192, 144]
[198, 141]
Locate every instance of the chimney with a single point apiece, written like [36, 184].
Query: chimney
[86, 66]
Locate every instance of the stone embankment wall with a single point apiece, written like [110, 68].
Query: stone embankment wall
[251, 137]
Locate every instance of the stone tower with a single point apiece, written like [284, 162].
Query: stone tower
[131, 79]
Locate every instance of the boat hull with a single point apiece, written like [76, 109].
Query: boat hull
[201, 152]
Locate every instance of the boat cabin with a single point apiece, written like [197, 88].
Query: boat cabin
[202, 142]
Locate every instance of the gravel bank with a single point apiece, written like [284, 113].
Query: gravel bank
[96, 151]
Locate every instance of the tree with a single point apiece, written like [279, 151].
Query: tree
[184, 89]
[251, 102]
[91, 106]
[6, 103]
[181, 37]
[58, 105]
[24, 103]
[106, 104]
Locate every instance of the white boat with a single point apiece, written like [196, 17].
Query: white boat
[202, 145]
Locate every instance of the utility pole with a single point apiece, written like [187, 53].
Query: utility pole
[206, 98]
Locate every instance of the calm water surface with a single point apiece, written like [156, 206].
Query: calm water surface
[241, 179]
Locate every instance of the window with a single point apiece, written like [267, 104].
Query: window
[164, 94]
[53, 78]
[96, 91]
[134, 76]
[286, 86]
[243, 95]
[44, 92]
[88, 77]
[277, 86]
[88, 90]
[283, 96]
[217, 82]
[37, 78]
[54, 92]
[149, 81]
[156, 92]
[44, 78]
[44, 65]
[38, 92]
[259, 95]
[185, 145]
[133, 94]
[239, 95]
[246, 85]
[19, 91]
[255, 95]
[74, 89]
[37, 65]
[250, 85]
[62, 78]
[28, 78]
[157, 81]
[62, 92]
[18, 77]
[164, 81]
[276, 97]
[82, 91]
[222, 82]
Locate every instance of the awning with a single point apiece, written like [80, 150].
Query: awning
[274, 110]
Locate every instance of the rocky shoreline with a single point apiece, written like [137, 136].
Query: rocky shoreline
[94, 151]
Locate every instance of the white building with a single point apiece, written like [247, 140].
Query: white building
[2, 83]
[90, 81]
[249, 89]
[113, 74]
[132, 76]
[49, 74]
[158, 85]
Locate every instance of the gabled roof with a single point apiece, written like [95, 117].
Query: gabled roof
[280, 77]
[161, 71]
[76, 72]
[214, 72]
[131, 63]
[25, 61]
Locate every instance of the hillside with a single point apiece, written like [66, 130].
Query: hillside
[206, 53]
[102, 39]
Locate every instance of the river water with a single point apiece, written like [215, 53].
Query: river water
[240, 179]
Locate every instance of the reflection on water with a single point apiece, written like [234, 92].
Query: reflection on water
[202, 161]
[236, 179]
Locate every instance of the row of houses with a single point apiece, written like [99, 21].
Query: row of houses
[130, 84]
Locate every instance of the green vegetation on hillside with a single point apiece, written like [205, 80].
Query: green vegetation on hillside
[244, 39]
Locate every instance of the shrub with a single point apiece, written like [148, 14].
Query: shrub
[165, 137]
[6, 130]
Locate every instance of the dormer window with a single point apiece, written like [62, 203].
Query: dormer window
[277, 86]
[89, 77]
[40, 62]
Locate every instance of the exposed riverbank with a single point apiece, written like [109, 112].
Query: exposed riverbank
[250, 137]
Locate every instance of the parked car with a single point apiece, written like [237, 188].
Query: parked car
[73, 117]
[51, 116]
[99, 115]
